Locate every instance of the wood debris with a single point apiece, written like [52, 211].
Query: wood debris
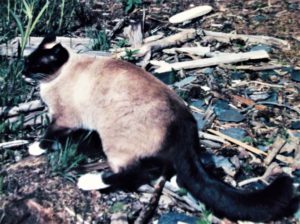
[190, 14]
[206, 62]
[257, 39]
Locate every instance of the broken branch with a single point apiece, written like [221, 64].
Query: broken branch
[257, 39]
[206, 62]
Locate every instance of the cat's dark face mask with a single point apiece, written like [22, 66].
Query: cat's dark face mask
[45, 61]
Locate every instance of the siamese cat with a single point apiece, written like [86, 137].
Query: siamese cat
[140, 122]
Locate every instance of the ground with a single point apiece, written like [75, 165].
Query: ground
[41, 185]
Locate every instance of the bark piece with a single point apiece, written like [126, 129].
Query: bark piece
[190, 14]
[134, 34]
[248, 102]
[146, 214]
[253, 39]
[206, 62]
[200, 51]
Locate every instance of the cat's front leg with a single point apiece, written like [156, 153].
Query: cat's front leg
[50, 140]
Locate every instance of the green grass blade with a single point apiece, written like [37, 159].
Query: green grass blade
[38, 17]
[19, 23]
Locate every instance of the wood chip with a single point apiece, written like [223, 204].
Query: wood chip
[190, 14]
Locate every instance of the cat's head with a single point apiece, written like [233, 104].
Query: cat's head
[46, 60]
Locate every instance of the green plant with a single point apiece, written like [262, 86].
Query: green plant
[28, 9]
[100, 40]
[64, 160]
[122, 43]
[248, 139]
[117, 207]
[182, 192]
[206, 217]
[130, 55]
[129, 5]
[1, 185]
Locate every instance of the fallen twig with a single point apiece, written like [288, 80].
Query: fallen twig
[206, 62]
[95, 166]
[244, 145]
[252, 67]
[272, 169]
[258, 39]
[12, 144]
[146, 214]
[276, 147]
[250, 148]
[199, 50]
[21, 108]
[118, 26]
[280, 105]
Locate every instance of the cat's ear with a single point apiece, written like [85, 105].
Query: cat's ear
[49, 41]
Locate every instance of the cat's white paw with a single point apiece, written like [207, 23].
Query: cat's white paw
[91, 181]
[173, 182]
[35, 150]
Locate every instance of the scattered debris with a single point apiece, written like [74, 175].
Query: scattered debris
[190, 14]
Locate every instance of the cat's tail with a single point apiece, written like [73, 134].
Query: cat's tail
[271, 203]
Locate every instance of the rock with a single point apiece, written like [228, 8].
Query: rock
[190, 14]
[165, 201]
[295, 75]
[185, 81]
[295, 125]
[225, 164]
[259, 96]
[175, 218]
[200, 120]
[118, 218]
[237, 75]
[168, 78]
[261, 47]
[236, 133]
[198, 103]
[225, 113]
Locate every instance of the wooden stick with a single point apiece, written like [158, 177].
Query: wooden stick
[244, 83]
[258, 39]
[276, 147]
[21, 108]
[244, 145]
[200, 51]
[271, 170]
[252, 68]
[251, 148]
[200, 63]
[12, 144]
[146, 214]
